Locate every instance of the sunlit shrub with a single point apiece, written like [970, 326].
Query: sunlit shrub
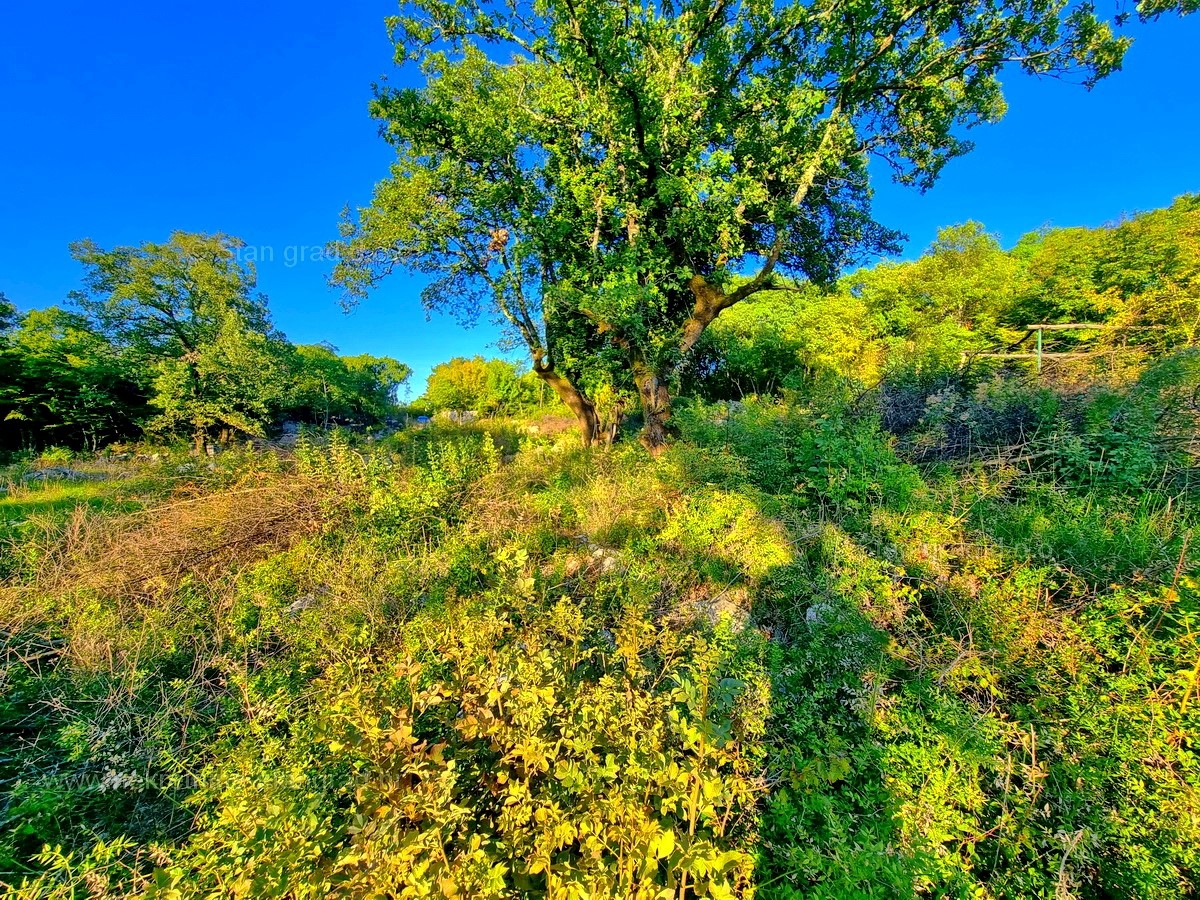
[537, 755]
[729, 529]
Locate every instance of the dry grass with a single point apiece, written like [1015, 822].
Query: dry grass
[111, 582]
[599, 495]
[203, 537]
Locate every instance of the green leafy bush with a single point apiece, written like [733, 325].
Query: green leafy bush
[532, 752]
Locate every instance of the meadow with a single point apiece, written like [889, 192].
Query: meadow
[795, 654]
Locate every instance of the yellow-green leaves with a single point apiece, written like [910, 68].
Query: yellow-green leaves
[535, 759]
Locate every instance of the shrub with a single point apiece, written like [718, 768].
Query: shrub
[523, 751]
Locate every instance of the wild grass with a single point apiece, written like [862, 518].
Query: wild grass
[780, 658]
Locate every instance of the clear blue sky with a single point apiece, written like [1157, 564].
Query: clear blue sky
[124, 121]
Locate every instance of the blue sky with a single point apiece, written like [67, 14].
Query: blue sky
[125, 121]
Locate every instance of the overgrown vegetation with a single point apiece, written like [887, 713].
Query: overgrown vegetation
[780, 657]
[912, 324]
[879, 606]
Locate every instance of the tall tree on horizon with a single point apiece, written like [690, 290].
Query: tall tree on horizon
[188, 310]
[8, 313]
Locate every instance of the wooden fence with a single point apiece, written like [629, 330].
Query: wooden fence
[1039, 354]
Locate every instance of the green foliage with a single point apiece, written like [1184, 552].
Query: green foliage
[775, 341]
[1139, 274]
[405, 506]
[595, 176]
[8, 314]
[963, 278]
[231, 382]
[168, 300]
[726, 529]
[826, 460]
[187, 310]
[503, 752]
[915, 329]
[487, 387]
[173, 341]
[935, 726]
[1112, 436]
[65, 383]
[324, 388]
[105, 869]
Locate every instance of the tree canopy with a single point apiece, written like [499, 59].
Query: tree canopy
[484, 386]
[1136, 279]
[189, 309]
[64, 383]
[8, 313]
[597, 175]
[172, 339]
[169, 298]
[325, 388]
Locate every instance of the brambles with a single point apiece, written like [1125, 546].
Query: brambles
[500, 753]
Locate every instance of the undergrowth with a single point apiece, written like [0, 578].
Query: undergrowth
[791, 657]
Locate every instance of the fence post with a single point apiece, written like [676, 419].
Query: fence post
[1039, 351]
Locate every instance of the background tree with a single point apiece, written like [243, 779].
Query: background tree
[8, 314]
[459, 383]
[776, 340]
[168, 299]
[9, 367]
[604, 171]
[233, 382]
[188, 311]
[1141, 274]
[325, 388]
[484, 386]
[913, 321]
[927, 312]
[64, 383]
[1151, 274]
[1061, 276]
[376, 383]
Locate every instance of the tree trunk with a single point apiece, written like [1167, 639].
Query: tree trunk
[580, 405]
[656, 405]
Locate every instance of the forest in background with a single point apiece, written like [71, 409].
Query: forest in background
[172, 341]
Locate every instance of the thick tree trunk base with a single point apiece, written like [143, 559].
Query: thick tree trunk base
[576, 401]
[656, 409]
[655, 437]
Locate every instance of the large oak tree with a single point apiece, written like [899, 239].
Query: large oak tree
[608, 176]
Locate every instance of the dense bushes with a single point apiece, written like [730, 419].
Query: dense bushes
[911, 327]
[501, 751]
[484, 386]
[1110, 435]
[972, 705]
[540, 681]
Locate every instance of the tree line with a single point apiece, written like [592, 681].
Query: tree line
[965, 295]
[486, 387]
[172, 340]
